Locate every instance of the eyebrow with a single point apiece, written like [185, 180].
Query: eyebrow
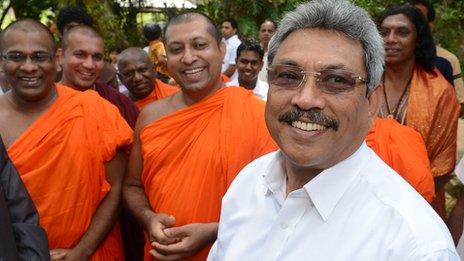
[336, 66]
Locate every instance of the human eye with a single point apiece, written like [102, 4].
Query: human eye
[79, 55]
[383, 32]
[200, 45]
[335, 81]
[15, 56]
[175, 49]
[40, 57]
[97, 57]
[286, 76]
[403, 32]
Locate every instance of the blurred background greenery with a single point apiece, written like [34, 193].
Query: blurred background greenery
[120, 21]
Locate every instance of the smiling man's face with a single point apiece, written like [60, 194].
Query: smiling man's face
[324, 128]
[82, 60]
[194, 57]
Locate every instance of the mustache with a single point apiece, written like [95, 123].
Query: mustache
[313, 115]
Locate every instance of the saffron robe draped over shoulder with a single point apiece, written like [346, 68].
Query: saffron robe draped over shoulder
[191, 156]
[433, 111]
[61, 159]
[126, 107]
[403, 149]
[161, 90]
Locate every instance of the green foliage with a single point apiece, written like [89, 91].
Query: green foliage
[120, 28]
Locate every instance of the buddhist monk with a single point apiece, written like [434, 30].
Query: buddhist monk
[403, 149]
[82, 62]
[67, 146]
[415, 93]
[189, 146]
[137, 74]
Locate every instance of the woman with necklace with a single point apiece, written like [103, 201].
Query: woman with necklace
[415, 93]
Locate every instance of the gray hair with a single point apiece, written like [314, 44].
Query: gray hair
[339, 15]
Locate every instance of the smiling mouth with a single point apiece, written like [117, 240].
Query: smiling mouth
[194, 71]
[308, 126]
[30, 80]
[87, 75]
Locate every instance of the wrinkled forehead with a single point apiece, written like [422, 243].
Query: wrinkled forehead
[316, 48]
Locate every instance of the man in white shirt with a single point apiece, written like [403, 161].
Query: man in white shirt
[229, 29]
[266, 31]
[249, 62]
[325, 195]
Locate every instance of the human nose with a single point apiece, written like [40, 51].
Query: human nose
[389, 37]
[188, 57]
[29, 65]
[308, 95]
[89, 62]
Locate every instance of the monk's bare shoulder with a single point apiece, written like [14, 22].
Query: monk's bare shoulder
[159, 109]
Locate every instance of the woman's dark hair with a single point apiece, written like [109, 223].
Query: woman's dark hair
[425, 51]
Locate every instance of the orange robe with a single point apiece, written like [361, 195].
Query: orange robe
[403, 149]
[433, 111]
[191, 156]
[61, 159]
[160, 91]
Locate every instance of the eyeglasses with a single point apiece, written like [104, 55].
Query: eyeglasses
[36, 58]
[331, 81]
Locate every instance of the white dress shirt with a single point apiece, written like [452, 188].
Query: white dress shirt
[460, 174]
[260, 90]
[359, 209]
[231, 51]
[263, 73]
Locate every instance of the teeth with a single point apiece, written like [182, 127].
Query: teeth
[307, 126]
[29, 79]
[194, 71]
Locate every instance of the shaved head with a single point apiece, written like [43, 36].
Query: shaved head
[133, 53]
[28, 25]
[81, 30]
[136, 72]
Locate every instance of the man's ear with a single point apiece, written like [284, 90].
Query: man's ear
[373, 97]
[222, 48]
[58, 59]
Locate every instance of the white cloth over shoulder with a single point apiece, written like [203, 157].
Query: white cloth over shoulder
[231, 51]
[260, 89]
[359, 209]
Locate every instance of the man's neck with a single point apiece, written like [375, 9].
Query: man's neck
[70, 84]
[31, 107]
[298, 176]
[191, 97]
[249, 85]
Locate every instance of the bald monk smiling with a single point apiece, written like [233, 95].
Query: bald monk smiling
[189, 147]
[66, 146]
[137, 74]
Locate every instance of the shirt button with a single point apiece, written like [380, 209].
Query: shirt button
[283, 225]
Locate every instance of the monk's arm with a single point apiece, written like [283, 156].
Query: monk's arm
[107, 212]
[134, 197]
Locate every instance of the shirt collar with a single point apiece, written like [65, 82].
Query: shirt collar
[327, 188]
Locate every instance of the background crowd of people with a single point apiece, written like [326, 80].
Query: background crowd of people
[151, 138]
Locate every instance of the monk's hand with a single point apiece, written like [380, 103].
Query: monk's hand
[74, 254]
[192, 238]
[156, 226]
[58, 254]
